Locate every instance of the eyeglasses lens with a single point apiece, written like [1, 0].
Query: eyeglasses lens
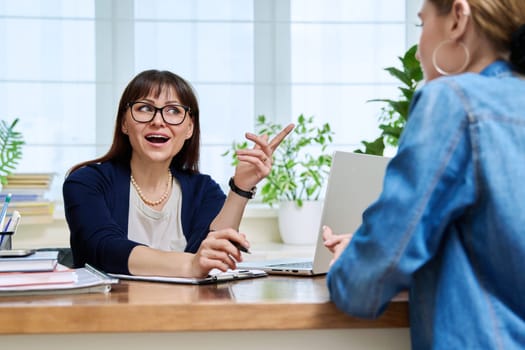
[144, 113]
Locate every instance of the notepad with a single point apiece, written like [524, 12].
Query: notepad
[215, 276]
[39, 261]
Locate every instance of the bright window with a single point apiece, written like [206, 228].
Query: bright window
[65, 63]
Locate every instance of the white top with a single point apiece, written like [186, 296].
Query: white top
[157, 229]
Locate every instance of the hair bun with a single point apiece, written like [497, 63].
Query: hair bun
[517, 49]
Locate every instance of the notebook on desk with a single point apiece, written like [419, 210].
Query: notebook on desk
[30, 262]
[354, 182]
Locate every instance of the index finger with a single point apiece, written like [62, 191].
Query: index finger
[276, 141]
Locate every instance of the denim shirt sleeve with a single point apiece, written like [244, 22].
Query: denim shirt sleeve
[426, 185]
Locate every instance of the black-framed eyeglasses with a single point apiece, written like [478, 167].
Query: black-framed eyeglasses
[172, 114]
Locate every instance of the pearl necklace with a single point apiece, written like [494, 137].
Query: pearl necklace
[161, 199]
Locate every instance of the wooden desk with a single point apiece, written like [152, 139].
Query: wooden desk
[134, 310]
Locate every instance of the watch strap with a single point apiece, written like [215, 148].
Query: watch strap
[246, 194]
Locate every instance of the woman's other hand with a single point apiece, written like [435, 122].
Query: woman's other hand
[335, 243]
[256, 163]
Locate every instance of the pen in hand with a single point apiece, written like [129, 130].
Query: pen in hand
[237, 245]
[240, 247]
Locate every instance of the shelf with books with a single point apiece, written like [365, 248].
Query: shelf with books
[28, 196]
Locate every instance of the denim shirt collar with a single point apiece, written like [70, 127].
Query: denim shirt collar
[497, 68]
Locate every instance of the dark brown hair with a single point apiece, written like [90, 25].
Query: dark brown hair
[153, 83]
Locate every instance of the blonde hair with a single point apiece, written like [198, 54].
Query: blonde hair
[498, 20]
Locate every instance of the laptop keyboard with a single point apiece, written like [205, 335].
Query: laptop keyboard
[297, 265]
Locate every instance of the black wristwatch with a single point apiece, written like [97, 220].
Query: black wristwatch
[246, 194]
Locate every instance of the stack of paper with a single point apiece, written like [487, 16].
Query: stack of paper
[68, 281]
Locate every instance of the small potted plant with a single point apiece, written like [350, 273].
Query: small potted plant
[299, 171]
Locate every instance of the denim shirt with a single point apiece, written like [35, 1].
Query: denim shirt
[449, 225]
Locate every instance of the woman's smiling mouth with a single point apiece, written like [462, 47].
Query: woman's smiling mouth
[157, 138]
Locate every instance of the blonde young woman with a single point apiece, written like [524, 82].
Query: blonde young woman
[449, 224]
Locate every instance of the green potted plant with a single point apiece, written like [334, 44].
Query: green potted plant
[11, 142]
[299, 171]
[394, 115]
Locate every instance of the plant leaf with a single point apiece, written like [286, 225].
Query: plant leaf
[395, 112]
[11, 142]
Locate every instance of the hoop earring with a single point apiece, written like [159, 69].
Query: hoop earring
[441, 70]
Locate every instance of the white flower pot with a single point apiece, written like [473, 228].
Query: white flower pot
[300, 225]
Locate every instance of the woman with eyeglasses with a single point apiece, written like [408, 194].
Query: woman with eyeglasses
[144, 208]
[449, 223]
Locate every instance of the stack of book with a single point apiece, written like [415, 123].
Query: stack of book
[28, 196]
[40, 273]
[27, 261]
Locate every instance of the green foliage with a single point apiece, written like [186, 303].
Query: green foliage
[10, 149]
[394, 115]
[297, 175]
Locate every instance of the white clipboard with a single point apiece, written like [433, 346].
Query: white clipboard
[215, 276]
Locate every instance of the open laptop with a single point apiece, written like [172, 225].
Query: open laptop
[354, 182]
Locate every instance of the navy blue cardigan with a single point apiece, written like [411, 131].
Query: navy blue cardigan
[96, 204]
